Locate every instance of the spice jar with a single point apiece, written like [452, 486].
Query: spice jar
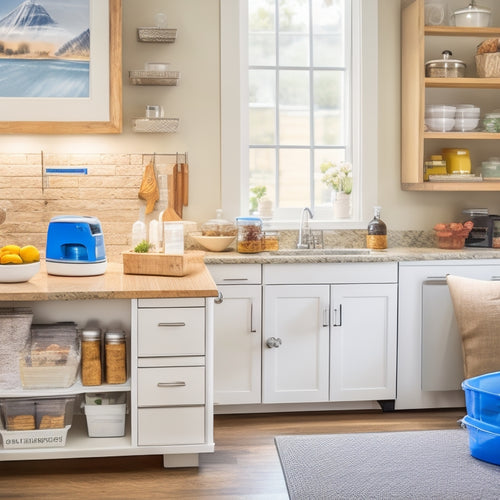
[116, 355]
[250, 234]
[91, 357]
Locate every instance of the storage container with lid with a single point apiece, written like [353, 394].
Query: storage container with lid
[91, 370]
[116, 355]
[218, 226]
[472, 16]
[445, 67]
[250, 234]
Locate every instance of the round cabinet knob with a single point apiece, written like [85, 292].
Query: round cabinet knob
[273, 342]
[219, 299]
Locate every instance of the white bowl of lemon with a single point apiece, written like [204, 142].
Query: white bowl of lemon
[18, 264]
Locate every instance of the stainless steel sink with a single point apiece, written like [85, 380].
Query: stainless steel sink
[322, 251]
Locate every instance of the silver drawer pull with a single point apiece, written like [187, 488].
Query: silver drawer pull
[179, 323]
[172, 384]
[234, 279]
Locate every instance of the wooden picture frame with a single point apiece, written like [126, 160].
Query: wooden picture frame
[112, 124]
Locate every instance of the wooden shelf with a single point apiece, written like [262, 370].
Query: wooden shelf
[463, 83]
[458, 31]
[462, 135]
[451, 186]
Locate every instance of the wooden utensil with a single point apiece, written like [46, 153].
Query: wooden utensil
[149, 190]
[179, 189]
[170, 214]
[185, 183]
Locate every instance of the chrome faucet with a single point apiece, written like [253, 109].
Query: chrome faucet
[305, 237]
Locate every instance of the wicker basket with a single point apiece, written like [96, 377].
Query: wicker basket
[156, 125]
[158, 35]
[143, 77]
[488, 65]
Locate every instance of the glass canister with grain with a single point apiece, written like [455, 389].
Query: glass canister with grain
[116, 357]
[250, 234]
[91, 370]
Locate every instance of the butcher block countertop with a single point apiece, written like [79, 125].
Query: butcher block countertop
[113, 284]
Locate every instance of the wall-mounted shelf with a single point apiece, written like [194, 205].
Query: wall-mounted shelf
[143, 77]
[156, 125]
[156, 35]
[417, 142]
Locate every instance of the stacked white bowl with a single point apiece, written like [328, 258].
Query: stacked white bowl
[466, 117]
[439, 117]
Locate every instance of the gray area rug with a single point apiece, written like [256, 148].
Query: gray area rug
[386, 465]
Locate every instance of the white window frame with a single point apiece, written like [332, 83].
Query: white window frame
[234, 112]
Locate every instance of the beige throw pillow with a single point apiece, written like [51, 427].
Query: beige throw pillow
[477, 310]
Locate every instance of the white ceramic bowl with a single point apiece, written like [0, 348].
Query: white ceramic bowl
[466, 124]
[213, 243]
[468, 113]
[440, 124]
[440, 111]
[474, 17]
[17, 273]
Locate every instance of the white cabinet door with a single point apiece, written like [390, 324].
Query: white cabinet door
[238, 345]
[295, 343]
[363, 342]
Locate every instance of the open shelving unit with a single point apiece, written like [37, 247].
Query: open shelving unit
[417, 143]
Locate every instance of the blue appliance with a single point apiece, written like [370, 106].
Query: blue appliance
[75, 246]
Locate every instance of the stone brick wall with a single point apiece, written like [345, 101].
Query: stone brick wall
[109, 192]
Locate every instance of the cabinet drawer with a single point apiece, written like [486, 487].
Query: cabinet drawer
[236, 274]
[171, 332]
[170, 426]
[174, 386]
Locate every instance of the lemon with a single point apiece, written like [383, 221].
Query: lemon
[11, 249]
[10, 258]
[29, 253]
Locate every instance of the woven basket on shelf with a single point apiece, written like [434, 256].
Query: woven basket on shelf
[153, 34]
[488, 65]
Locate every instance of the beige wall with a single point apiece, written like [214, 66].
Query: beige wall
[196, 102]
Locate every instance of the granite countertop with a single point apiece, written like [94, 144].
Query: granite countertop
[113, 284]
[401, 254]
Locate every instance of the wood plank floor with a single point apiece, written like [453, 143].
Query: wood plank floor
[245, 464]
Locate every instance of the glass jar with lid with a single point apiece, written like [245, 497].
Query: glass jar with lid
[250, 234]
[116, 356]
[91, 357]
[218, 226]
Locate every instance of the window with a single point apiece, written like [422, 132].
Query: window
[302, 100]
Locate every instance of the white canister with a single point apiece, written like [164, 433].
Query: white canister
[173, 238]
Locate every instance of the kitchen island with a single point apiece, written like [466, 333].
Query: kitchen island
[169, 326]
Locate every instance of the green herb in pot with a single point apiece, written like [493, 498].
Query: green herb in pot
[143, 247]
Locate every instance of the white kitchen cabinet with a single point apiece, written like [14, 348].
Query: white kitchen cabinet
[295, 343]
[237, 334]
[338, 329]
[363, 342]
[430, 367]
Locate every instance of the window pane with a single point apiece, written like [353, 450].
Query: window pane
[262, 49]
[322, 193]
[294, 50]
[328, 33]
[262, 112]
[262, 32]
[294, 33]
[329, 119]
[294, 112]
[262, 163]
[294, 181]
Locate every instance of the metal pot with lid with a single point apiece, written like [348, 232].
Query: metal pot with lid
[445, 67]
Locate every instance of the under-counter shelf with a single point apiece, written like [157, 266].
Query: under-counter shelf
[144, 77]
[76, 388]
[156, 35]
[156, 125]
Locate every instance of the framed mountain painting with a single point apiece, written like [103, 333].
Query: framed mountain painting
[60, 66]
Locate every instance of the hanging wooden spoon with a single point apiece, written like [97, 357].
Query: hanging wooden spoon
[149, 190]
[170, 214]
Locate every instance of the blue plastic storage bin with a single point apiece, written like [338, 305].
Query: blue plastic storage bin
[482, 398]
[484, 440]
